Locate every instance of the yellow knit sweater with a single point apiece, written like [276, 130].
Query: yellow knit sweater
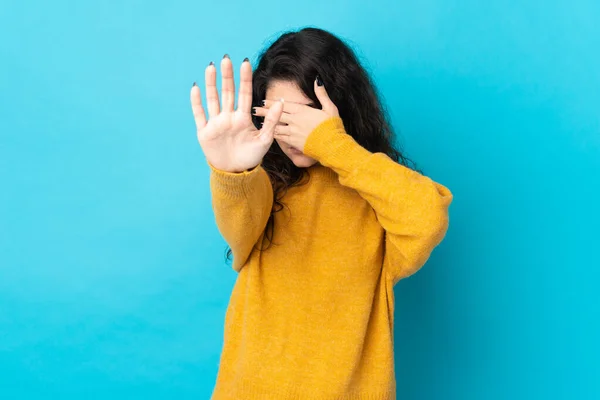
[312, 317]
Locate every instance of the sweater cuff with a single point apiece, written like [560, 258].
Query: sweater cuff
[333, 147]
[236, 184]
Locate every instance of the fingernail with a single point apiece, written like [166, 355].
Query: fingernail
[262, 123]
[319, 81]
[211, 63]
[253, 110]
[194, 84]
[264, 102]
[226, 55]
[246, 59]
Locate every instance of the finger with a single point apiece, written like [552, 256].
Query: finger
[287, 139]
[326, 103]
[271, 120]
[227, 84]
[288, 107]
[197, 110]
[262, 112]
[245, 94]
[212, 96]
[283, 130]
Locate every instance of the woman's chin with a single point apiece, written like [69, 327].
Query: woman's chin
[302, 161]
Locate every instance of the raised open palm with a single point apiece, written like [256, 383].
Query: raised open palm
[229, 139]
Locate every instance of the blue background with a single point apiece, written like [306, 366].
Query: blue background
[112, 276]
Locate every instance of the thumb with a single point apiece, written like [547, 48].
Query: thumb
[323, 97]
[271, 119]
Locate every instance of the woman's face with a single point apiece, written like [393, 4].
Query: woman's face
[290, 93]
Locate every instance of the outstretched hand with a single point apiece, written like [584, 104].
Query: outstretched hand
[229, 139]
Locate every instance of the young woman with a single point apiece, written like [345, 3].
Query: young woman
[322, 215]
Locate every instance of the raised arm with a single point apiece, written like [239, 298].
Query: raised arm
[242, 203]
[241, 191]
[411, 208]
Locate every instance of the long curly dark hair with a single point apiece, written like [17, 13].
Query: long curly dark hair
[298, 56]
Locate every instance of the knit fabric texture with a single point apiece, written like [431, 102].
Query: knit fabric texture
[312, 316]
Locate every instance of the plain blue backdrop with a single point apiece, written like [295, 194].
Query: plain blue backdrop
[112, 276]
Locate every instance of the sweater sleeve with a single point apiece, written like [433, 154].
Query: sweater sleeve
[411, 208]
[242, 204]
